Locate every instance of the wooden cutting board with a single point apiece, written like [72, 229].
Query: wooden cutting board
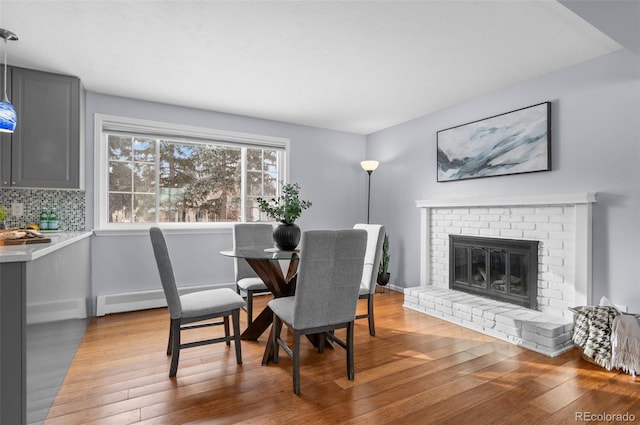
[23, 241]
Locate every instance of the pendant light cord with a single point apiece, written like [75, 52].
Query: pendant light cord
[4, 84]
[6, 98]
[6, 35]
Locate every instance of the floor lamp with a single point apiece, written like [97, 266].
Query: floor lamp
[369, 166]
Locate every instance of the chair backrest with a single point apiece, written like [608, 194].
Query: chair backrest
[163, 261]
[375, 239]
[329, 276]
[247, 235]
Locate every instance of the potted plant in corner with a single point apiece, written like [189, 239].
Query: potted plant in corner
[383, 270]
[286, 209]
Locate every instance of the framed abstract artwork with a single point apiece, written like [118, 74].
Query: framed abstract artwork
[511, 143]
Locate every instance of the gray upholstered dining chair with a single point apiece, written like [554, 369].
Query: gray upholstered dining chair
[375, 238]
[195, 309]
[326, 295]
[247, 281]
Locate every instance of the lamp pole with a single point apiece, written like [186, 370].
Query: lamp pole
[369, 195]
[369, 166]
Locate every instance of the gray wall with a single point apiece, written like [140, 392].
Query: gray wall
[325, 163]
[595, 147]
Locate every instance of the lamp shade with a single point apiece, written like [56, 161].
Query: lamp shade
[369, 165]
[8, 117]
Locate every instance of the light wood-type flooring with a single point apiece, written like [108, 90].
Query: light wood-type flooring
[416, 370]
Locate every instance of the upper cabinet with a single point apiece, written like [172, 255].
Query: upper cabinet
[44, 150]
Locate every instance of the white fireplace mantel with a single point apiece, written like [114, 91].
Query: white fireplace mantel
[502, 201]
[583, 233]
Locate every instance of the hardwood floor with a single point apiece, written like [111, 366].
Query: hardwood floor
[416, 370]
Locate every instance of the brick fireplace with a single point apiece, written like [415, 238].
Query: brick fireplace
[561, 223]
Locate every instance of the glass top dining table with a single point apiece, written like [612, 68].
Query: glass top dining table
[261, 253]
[265, 261]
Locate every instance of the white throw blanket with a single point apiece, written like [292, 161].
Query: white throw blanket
[625, 342]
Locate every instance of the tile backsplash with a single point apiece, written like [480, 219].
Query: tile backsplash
[71, 206]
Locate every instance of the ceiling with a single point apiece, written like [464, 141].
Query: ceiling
[355, 66]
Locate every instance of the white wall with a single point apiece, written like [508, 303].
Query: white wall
[325, 163]
[595, 147]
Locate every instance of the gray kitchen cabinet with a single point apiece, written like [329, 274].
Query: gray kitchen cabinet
[45, 298]
[44, 150]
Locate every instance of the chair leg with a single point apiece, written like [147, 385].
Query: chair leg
[350, 366]
[372, 325]
[235, 315]
[226, 330]
[275, 333]
[321, 343]
[170, 338]
[296, 362]
[249, 307]
[175, 349]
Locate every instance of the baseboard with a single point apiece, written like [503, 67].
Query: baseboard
[142, 300]
[56, 310]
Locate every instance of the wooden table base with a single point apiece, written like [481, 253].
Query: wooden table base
[280, 286]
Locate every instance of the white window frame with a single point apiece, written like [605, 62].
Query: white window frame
[104, 123]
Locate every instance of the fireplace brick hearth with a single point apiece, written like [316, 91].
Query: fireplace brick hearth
[537, 331]
[561, 223]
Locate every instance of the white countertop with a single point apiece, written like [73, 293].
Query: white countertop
[30, 252]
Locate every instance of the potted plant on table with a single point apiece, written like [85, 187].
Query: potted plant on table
[286, 209]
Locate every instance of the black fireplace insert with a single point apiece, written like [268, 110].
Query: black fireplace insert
[500, 269]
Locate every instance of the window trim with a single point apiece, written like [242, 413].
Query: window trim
[104, 123]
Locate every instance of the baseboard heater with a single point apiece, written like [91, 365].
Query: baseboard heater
[142, 300]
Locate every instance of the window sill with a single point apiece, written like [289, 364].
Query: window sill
[168, 229]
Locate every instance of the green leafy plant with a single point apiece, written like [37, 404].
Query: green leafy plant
[288, 207]
[3, 212]
[384, 261]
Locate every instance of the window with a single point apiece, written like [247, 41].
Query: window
[150, 173]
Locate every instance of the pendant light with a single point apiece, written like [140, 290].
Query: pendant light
[8, 117]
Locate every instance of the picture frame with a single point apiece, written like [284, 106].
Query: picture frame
[514, 142]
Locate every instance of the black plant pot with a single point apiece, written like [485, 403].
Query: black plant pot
[383, 278]
[286, 236]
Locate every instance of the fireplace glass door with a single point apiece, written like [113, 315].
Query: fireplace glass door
[502, 269]
[461, 268]
[479, 267]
